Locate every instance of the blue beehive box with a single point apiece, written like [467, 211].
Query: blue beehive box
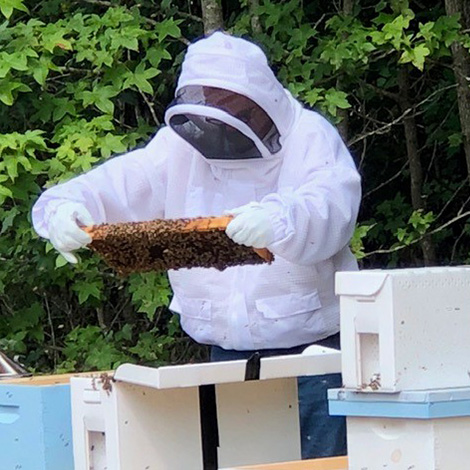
[35, 424]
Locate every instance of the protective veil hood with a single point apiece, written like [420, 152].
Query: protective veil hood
[234, 64]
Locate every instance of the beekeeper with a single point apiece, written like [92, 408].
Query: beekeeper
[236, 141]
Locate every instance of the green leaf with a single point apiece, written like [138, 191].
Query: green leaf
[87, 289]
[16, 61]
[62, 107]
[420, 54]
[125, 333]
[11, 165]
[168, 27]
[8, 218]
[401, 234]
[156, 54]
[53, 37]
[455, 140]
[105, 105]
[337, 98]
[60, 262]
[112, 144]
[4, 68]
[40, 75]
[381, 5]
[25, 163]
[357, 243]
[41, 70]
[139, 78]
[100, 97]
[416, 56]
[9, 89]
[7, 7]
[314, 96]
[127, 42]
[149, 291]
[5, 193]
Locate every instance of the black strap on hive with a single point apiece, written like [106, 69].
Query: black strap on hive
[253, 366]
[208, 414]
[209, 426]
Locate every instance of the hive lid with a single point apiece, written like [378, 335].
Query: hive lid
[360, 283]
[10, 369]
[164, 244]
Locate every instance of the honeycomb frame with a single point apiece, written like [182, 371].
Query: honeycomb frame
[164, 244]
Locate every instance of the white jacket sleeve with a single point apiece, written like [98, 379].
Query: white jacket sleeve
[127, 188]
[315, 220]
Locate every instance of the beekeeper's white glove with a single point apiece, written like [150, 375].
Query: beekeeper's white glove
[251, 226]
[64, 229]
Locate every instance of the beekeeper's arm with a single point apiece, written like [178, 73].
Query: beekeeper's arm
[127, 188]
[313, 221]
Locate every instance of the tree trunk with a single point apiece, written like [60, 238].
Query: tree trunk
[255, 24]
[212, 16]
[411, 136]
[461, 66]
[348, 7]
[414, 161]
[343, 114]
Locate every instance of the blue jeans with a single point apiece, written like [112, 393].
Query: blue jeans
[321, 435]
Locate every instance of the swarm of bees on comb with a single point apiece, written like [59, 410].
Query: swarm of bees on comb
[162, 244]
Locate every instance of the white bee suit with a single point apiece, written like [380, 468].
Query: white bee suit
[310, 188]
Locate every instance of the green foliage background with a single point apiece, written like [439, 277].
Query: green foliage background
[83, 80]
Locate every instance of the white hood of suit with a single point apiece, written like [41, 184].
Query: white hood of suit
[234, 64]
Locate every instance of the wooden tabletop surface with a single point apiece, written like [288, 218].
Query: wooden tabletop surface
[58, 379]
[333, 463]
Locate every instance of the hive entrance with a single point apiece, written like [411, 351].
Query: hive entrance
[160, 245]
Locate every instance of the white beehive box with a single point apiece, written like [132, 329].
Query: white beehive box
[405, 329]
[152, 418]
[92, 422]
[419, 430]
[402, 444]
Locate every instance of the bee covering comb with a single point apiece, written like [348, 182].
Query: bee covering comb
[160, 245]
